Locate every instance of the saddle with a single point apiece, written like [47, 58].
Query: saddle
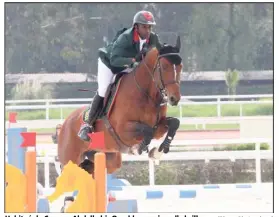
[109, 97]
[111, 91]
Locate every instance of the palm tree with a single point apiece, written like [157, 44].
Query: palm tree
[232, 79]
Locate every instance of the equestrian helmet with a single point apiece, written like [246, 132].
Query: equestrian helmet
[144, 17]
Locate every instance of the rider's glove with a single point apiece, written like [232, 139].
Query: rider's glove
[138, 57]
[143, 52]
[145, 48]
[134, 65]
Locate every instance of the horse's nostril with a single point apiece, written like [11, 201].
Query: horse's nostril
[172, 98]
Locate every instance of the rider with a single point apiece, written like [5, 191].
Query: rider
[121, 55]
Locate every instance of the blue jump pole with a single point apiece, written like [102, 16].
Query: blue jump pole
[16, 154]
[16, 157]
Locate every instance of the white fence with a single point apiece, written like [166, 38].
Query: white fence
[47, 104]
[183, 121]
[256, 154]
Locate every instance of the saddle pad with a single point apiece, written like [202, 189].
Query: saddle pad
[85, 115]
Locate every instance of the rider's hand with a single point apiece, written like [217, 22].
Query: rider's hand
[145, 48]
[138, 57]
[142, 53]
[134, 65]
[131, 65]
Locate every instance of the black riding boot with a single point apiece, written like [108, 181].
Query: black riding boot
[96, 106]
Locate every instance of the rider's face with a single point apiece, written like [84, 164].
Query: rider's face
[144, 30]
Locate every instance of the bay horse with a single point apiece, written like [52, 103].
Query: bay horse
[134, 112]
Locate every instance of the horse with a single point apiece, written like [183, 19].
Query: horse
[134, 113]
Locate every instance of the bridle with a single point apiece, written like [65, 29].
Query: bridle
[157, 68]
[157, 104]
[161, 88]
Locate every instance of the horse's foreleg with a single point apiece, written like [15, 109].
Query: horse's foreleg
[161, 129]
[139, 131]
[172, 125]
[147, 133]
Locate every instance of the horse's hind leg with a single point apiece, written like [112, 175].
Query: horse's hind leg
[113, 162]
[87, 164]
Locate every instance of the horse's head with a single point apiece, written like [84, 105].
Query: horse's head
[167, 66]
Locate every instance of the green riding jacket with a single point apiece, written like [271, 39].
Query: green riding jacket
[119, 54]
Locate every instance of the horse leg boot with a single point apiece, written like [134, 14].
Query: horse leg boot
[96, 106]
[173, 125]
[147, 133]
[169, 125]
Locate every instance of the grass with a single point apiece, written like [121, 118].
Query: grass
[187, 111]
[210, 127]
[42, 130]
[240, 147]
[187, 127]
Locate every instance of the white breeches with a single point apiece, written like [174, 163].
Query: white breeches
[105, 77]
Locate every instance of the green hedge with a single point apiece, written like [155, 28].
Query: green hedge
[196, 172]
[187, 111]
[181, 172]
[186, 172]
[251, 146]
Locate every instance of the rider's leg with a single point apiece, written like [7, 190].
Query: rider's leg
[105, 77]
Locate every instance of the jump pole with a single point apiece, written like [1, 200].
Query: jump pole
[100, 177]
[100, 170]
[19, 140]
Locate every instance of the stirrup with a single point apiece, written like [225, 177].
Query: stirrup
[83, 132]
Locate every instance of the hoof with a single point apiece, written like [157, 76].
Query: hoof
[143, 148]
[155, 154]
[139, 151]
[166, 150]
[88, 166]
[133, 150]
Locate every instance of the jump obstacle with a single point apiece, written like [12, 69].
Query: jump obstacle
[21, 192]
[92, 199]
[21, 179]
[91, 194]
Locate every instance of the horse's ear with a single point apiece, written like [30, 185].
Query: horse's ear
[178, 44]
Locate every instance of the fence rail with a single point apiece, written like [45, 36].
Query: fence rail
[47, 104]
[183, 121]
[183, 98]
[256, 154]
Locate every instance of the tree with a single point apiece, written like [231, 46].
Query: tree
[61, 37]
[232, 79]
